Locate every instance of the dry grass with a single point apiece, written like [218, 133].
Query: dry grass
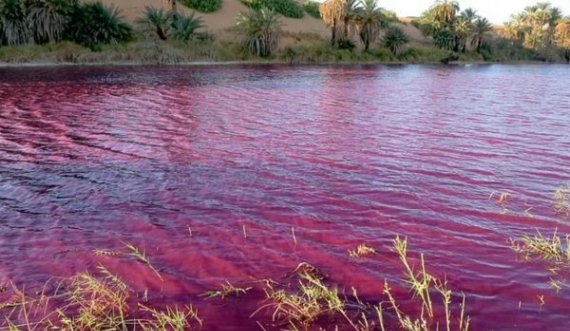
[303, 300]
[501, 198]
[553, 250]
[362, 251]
[311, 301]
[91, 302]
[227, 290]
[562, 200]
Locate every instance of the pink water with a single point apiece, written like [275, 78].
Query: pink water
[94, 157]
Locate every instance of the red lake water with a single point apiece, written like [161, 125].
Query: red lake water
[95, 157]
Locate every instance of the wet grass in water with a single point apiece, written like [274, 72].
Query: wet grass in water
[91, 302]
[562, 200]
[362, 251]
[227, 290]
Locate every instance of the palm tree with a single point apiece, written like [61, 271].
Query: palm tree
[538, 23]
[369, 19]
[156, 21]
[13, 23]
[95, 24]
[49, 18]
[395, 40]
[184, 27]
[463, 29]
[334, 13]
[562, 37]
[261, 29]
[481, 27]
[444, 11]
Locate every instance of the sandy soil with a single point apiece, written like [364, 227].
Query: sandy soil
[222, 21]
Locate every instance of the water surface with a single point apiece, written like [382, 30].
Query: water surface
[92, 157]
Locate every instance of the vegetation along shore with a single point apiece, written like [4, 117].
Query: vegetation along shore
[271, 31]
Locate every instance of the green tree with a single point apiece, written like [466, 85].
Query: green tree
[369, 19]
[261, 29]
[445, 11]
[481, 27]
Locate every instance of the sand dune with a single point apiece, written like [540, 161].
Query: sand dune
[221, 22]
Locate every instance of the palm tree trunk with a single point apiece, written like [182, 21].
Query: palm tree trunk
[479, 44]
[333, 33]
[161, 34]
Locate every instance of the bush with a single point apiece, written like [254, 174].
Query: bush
[395, 40]
[287, 8]
[93, 24]
[261, 29]
[184, 27]
[312, 8]
[167, 25]
[204, 6]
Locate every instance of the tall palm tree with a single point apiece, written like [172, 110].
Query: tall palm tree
[481, 27]
[261, 29]
[334, 14]
[539, 24]
[445, 11]
[369, 19]
[562, 37]
[465, 25]
[463, 31]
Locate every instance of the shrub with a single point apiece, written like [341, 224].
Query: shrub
[312, 8]
[204, 6]
[287, 8]
[166, 25]
[48, 19]
[395, 40]
[93, 24]
[261, 29]
[156, 21]
[184, 27]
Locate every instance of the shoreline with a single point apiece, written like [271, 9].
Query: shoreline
[264, 63]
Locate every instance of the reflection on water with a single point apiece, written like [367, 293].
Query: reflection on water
[93, 157]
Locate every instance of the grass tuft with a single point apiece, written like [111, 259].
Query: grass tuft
[362, 251]
[227, 290]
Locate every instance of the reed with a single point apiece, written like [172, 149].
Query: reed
[362, 251]
[141, 256]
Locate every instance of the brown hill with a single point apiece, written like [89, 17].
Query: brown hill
[221, 22]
